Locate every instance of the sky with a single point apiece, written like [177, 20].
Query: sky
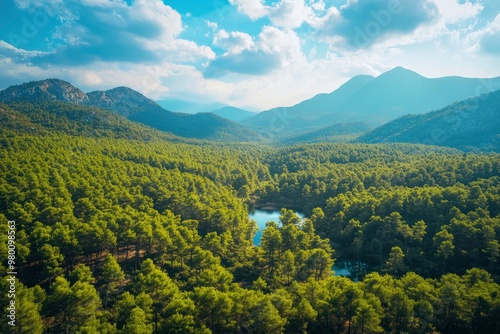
[256, 54]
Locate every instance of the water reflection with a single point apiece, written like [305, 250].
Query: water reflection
[264, 216]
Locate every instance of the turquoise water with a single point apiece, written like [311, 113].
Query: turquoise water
[262, 217]
[341, 270]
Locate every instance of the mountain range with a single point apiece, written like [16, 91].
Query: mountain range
[419, 110]
[372, 100]
[132, 105]
[219, 109]
[468, 125]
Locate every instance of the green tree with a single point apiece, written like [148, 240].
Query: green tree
[289, 217]
[366, 319]
[271, 243]
[112, 276]
[52, 260]
[493, 252]
[28, 306]
[136, 323]
[395, 263]
[213, 308]
[444, 241]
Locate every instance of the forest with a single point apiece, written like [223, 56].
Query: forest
[124, 230]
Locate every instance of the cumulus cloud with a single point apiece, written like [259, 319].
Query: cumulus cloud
[234, 42]
[104, 30]
[360, 23]
[254, 9]
[253, 62]
[285, 43]
[273, 49]
[289, 14]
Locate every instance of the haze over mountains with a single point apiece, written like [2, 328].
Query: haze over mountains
[373, 101]
[219, 109]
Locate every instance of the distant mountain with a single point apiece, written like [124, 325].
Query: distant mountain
[134, 106]
[189, 107]
[222, 110]
[233, 113]
[340, 132]
[468, 125]
[370, 100]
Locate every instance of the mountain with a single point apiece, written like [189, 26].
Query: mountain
[222, 110]
[373, 101]
[468, 125]
[189, 107]
[132, 105]
[340, 132]
[123, 100]
[46, 90]
[233, 113]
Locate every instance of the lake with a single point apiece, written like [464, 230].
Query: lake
[261, 217]
[264, 216]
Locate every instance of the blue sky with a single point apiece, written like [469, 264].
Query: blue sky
[257, 53]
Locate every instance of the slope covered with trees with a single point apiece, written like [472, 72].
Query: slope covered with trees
[340, 132]
[130, 104]
[468, 125]
[123, 231]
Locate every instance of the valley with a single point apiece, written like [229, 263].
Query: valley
[131, 216]
[250, 167]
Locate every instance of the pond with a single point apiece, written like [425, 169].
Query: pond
[350, 269]
[264, 216]
[341, 268]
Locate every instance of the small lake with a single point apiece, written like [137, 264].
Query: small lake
[261, 217]
[350, 269]
[264, 216]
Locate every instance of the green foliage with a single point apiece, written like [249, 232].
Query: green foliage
[470, 125]
[160, 229]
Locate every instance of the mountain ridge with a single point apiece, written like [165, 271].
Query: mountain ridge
[132, 105]
[468, 125]
[233, 113]
[372, 100]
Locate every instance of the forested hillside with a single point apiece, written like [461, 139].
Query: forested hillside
[127, 103]
[468, 125]
[121, 231]
[340, 132]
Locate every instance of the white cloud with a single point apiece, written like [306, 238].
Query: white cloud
[264, 70]
[234, 42]
[284, 13]
[272, 49]
[453, 12]
[105, 30]
[318, 5]
[285, 43]
[211, 25]
[254, 9]
[290, 13]
[486, 39]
